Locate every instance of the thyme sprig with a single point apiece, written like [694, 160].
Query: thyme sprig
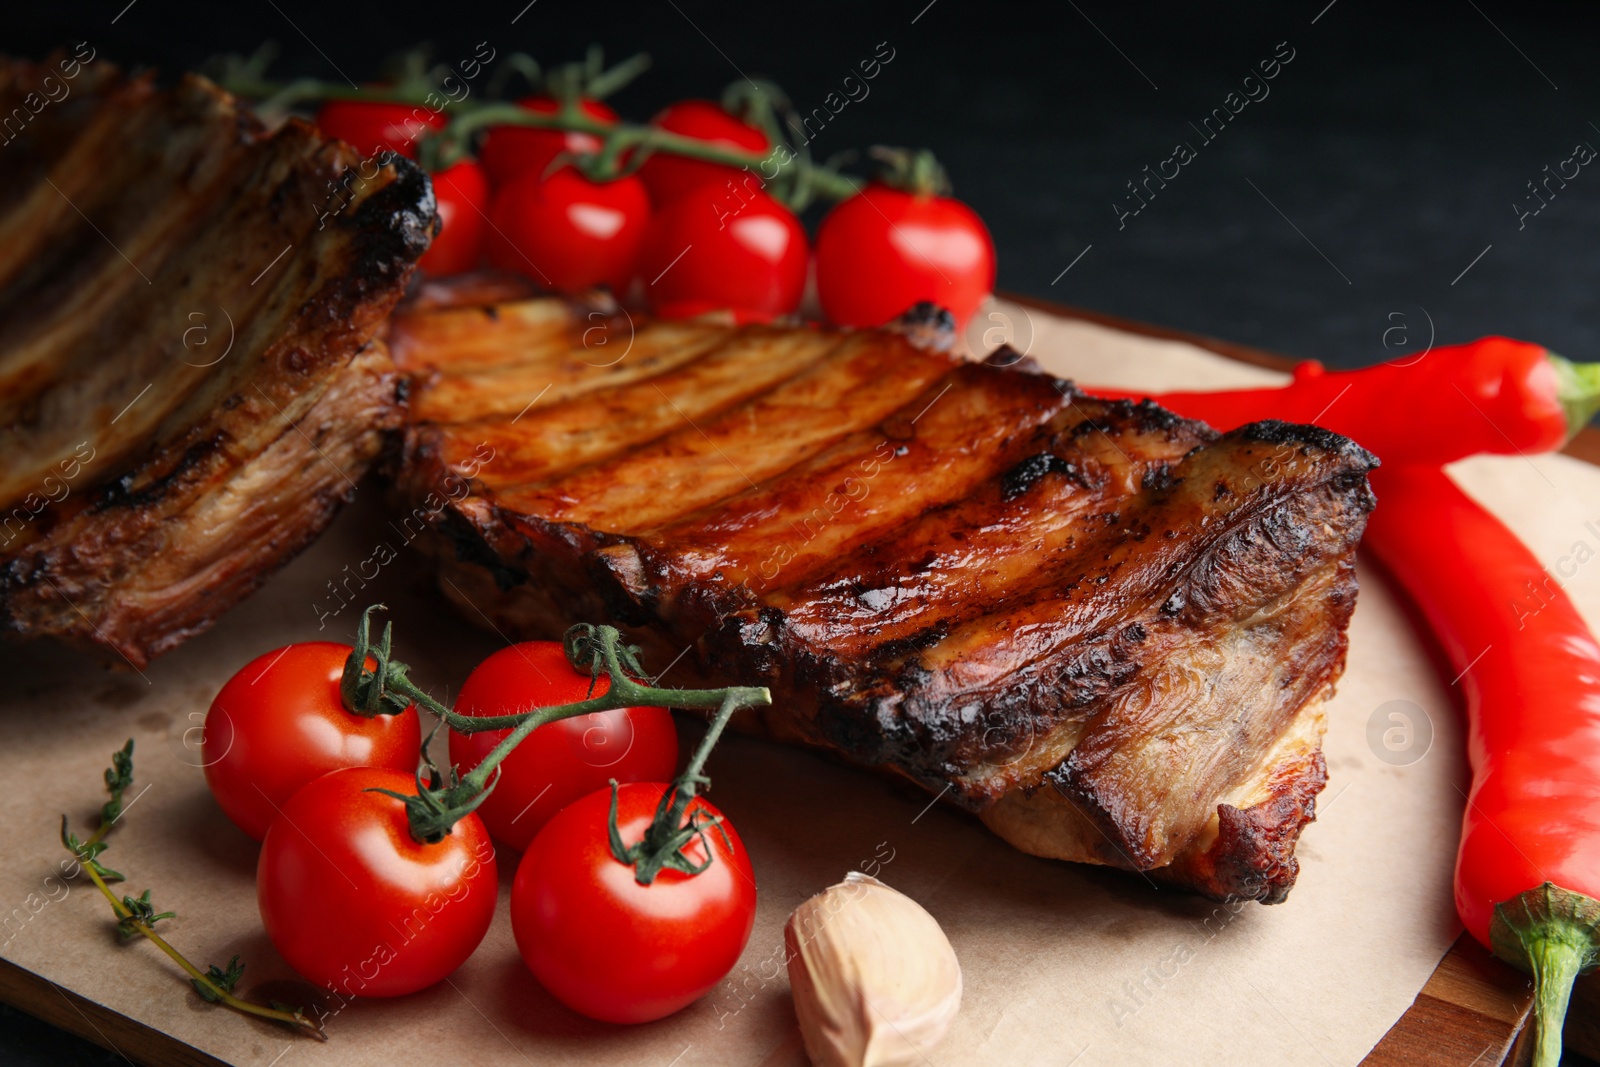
[137, 916]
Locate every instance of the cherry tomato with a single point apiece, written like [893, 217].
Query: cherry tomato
[561, 761]
[718, 249]
[462, 193]
[668, 177]
[568, 232]
[279, 723]
[615, 950]
[883, 250]
[372, 126]
[354, 904]
[511, 151]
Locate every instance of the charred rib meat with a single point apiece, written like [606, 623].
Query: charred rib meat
[1106, 630]
[189, 385]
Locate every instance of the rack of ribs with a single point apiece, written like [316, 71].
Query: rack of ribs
[189, 382]
[1106, 630]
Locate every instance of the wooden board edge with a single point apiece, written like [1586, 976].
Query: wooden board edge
[96, 1023]
[1472, 1010]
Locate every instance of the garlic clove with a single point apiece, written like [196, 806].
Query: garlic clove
[875, 980]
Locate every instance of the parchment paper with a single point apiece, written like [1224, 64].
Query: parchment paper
[1063, 964]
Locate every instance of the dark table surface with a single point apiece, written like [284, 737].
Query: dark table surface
[1377, 192]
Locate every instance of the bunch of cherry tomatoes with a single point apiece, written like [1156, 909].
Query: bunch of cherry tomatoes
[688, 235]
[358, 906]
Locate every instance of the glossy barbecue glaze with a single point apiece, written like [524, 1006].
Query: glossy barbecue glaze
[1105, 629]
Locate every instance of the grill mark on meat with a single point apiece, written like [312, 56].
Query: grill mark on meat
[75, 339]
[987, 589]
[1214, 565]
[560, 371]
[37, 146]
[968, 425]
[128, 492]
[554, 368]
[992, 546]
[689, 469]
[206, 473]
[1031, 471]
[578, 433]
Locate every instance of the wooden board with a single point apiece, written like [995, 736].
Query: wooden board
[1471, 1011]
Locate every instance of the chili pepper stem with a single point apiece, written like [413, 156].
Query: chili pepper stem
[1578, 389]
[1554, 934]
[1556, 965]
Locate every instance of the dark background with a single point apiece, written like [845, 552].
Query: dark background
[1349, 202]
[1392, 148]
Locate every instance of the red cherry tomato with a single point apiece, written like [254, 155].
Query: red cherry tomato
[568, 232]
[715, 249]
[883, 250]
[668, 177]
[354, 904]
[371, 126]
[561, 761]
[509, 152]
[462, 193]
[279, 723]
[615, 950]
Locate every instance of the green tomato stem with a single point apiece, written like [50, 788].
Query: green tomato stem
[600, 84]
[670, 831]
[915, 171]
[445, 799]
[781, 166]
[693, 772]
[616, 138]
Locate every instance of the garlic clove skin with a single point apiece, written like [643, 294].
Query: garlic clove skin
[874, 978]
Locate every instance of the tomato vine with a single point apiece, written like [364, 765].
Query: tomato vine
[786, 170]
[443, 797]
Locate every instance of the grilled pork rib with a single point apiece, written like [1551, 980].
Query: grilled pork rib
[189, 385]
[1105, 629]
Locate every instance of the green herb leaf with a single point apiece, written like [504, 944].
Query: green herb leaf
[219, 978]
[86, 853]
[141, 913]
[119, 776]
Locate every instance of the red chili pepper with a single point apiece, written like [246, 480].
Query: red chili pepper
[1493, 395]
[1528, 872]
